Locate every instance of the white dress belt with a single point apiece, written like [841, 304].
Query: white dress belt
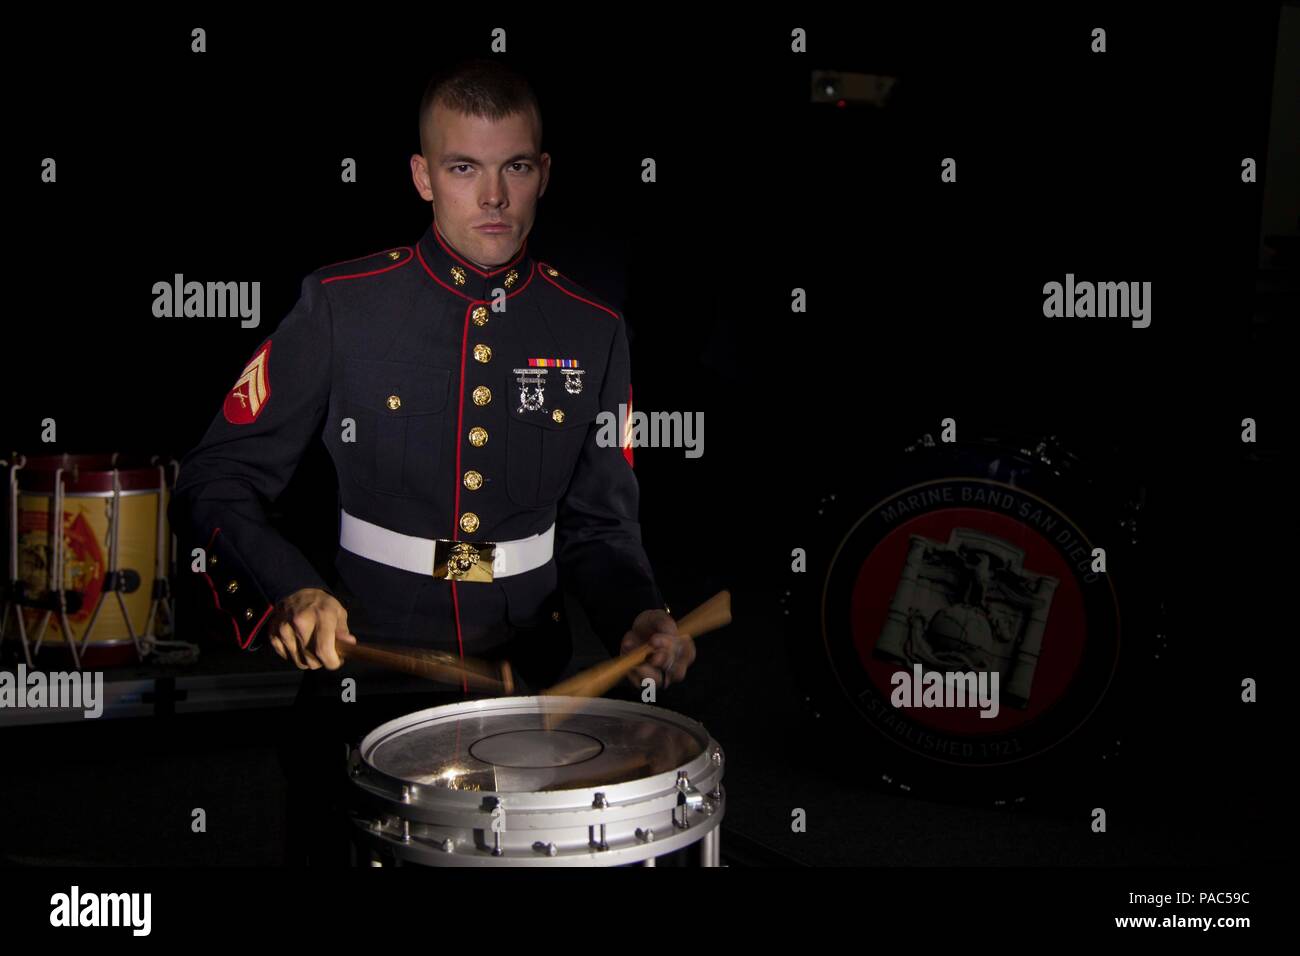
[417, 554]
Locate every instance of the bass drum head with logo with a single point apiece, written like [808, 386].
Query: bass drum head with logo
[951, 628]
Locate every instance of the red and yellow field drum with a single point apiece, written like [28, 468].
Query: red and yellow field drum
[97, 590]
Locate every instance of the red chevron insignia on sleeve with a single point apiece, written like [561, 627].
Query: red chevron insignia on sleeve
[246, 400]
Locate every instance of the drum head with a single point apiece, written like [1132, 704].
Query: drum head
[539, 745]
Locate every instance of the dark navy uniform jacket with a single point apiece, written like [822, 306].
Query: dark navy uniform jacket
[403, 353]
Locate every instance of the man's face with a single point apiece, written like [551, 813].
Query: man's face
[478, 171]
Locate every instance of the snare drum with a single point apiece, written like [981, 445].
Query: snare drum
[538, 781]
[90, 556]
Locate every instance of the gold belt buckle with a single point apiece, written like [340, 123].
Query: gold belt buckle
[463, 560]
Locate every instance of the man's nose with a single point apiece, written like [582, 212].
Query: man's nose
[494, 194]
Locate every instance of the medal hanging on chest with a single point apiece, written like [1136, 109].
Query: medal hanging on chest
[572, 380]
[568, 368]
[532, 389]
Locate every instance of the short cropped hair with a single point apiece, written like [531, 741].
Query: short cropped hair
[478, 87]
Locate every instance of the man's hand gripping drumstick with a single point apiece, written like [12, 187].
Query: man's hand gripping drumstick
[709, 616]
[311, 627]
[593, 682]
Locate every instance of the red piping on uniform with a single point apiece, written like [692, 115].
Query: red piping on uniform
[375, 272]
[460, 408]
[460, 404]
[216, 602]
[343, 262]
[257, 628]
[455, 510]
[578, 297]
[460, 424]
[627, 451]
[532, 269]
[420, 255]
[437, 234]
[460, 388]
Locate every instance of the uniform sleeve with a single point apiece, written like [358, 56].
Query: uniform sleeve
[244, 461]
[598, 536]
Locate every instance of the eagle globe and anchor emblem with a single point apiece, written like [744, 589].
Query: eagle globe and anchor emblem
[969, 605]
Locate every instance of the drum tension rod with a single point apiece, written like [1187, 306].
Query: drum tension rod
[599, 803]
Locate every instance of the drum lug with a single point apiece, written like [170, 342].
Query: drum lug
[645, 836]
[498, 825]
[447, 845]
[401, 827]
[688, 798]
[600, 802]
[406, 793]
[550, 849]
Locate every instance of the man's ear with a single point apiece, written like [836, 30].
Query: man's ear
[546, 173]
[420, 177]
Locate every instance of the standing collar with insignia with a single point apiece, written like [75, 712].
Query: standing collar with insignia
[457, 274]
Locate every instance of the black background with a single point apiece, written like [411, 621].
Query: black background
[925, 298]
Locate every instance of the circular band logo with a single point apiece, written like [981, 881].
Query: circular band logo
[964, 620]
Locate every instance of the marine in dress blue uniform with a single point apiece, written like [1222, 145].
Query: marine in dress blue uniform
[459, 406]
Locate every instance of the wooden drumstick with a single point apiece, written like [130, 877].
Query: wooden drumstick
[494, 677]
[709, 616]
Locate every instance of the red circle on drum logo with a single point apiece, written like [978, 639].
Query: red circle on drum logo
[83, 562]
[961, 590]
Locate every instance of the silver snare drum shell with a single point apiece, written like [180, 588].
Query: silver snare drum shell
[538, 781]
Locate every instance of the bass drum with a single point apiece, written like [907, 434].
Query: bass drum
[976, 622]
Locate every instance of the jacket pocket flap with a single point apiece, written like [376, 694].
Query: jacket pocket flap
[397, 388]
